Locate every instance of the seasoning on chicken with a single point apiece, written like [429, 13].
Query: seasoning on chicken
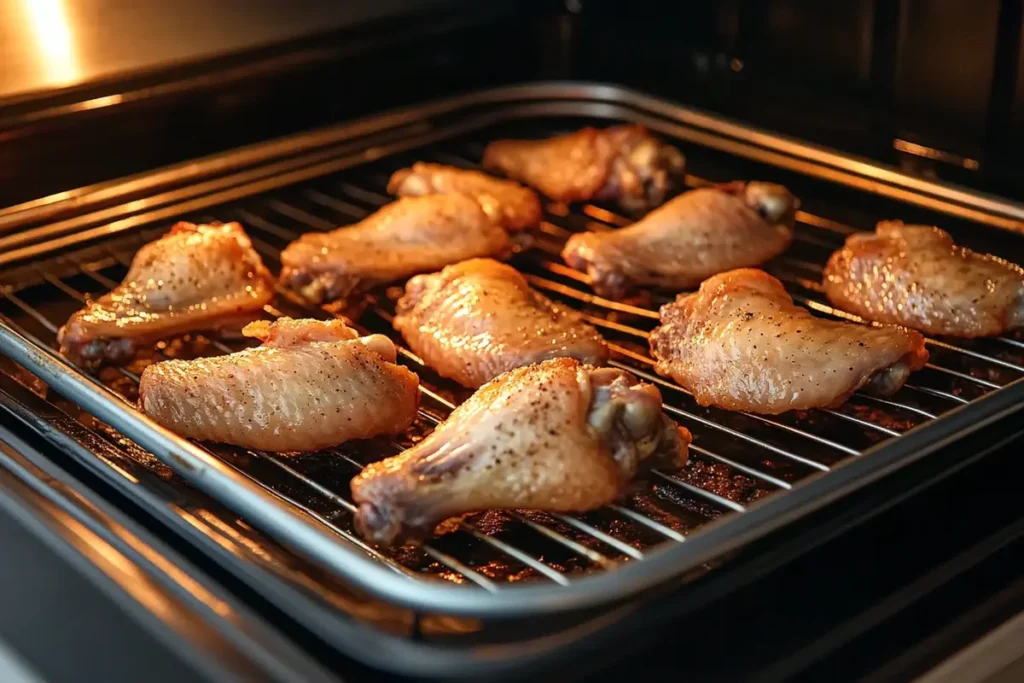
[311, 385]
[557, 436]
[694, 236]
[742, 344]
[622, 163]
[509, 204]
[194, 278]
[479, 318]
[412, 235]
[915, 275]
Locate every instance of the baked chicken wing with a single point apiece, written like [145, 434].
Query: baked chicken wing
[311, 385]
[194, 278]
[558, 436]
[694, 236]
[915, 275]
[622, 163]
[412, 235]
[509, 204]
[479, 318]
[742, 344]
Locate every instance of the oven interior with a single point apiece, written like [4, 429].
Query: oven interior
[738, 461]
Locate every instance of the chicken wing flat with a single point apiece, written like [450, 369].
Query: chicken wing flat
[509, 204]
[412, 235]
[557, 436]
[311, 385]
[742, 344]
[194, 278]
[915, 275]
[622, 163]
[694, 236]
[477, 319]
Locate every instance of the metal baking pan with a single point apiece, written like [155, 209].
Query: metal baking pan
[749, 475]
[78, 568]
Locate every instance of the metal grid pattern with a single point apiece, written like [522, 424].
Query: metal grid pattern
[736, 458]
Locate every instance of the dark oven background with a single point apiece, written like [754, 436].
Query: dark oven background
[932, 85]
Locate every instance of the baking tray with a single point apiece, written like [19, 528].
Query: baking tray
[842, 451]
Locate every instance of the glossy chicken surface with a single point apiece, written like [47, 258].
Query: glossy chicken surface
[311, 385]
[479, 318]
[741, 343]
[694, 236]
[914, 275]
[194, 278]
[412, 235]
[508, 203]
[558, 436]
[621, 163]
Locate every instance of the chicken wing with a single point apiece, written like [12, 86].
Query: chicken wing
[622, 163]
[412, 235]
[194, 278]
[915, 275]
[742, 344]
[509, 204]
[479, 318]
[311, 385]
[554, 436]
[694, 236]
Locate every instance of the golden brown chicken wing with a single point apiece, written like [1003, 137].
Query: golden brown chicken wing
[479, 318]
[694, 236]
[311, 385]
[412, 235]
[915, 275]
[622, 163]
[554, 436]
[194, 278]
[509, 204]
[742, 344]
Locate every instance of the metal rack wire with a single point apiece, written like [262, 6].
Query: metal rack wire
[736, 459]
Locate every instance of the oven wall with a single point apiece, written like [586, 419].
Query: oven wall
[144, 106]
[869, 76]
[935, 86]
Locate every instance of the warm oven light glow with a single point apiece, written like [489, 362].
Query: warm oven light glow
[49, 24]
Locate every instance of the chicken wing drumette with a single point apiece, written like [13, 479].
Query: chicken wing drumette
[556, 436]
[622, 163]
[509, 204]
[412, 235]
[692, 237]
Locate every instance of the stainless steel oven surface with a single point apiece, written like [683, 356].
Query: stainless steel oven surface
[288, 519]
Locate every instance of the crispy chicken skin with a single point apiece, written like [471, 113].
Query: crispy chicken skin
[479, 318]
[622, 163]
[915, 275]
[194, 278]
[557, 436]
[694, 236]
[311, 385]
[508, 203]
[412, 235]
[741, 343]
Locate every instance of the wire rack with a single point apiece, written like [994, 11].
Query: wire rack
[736, 458]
